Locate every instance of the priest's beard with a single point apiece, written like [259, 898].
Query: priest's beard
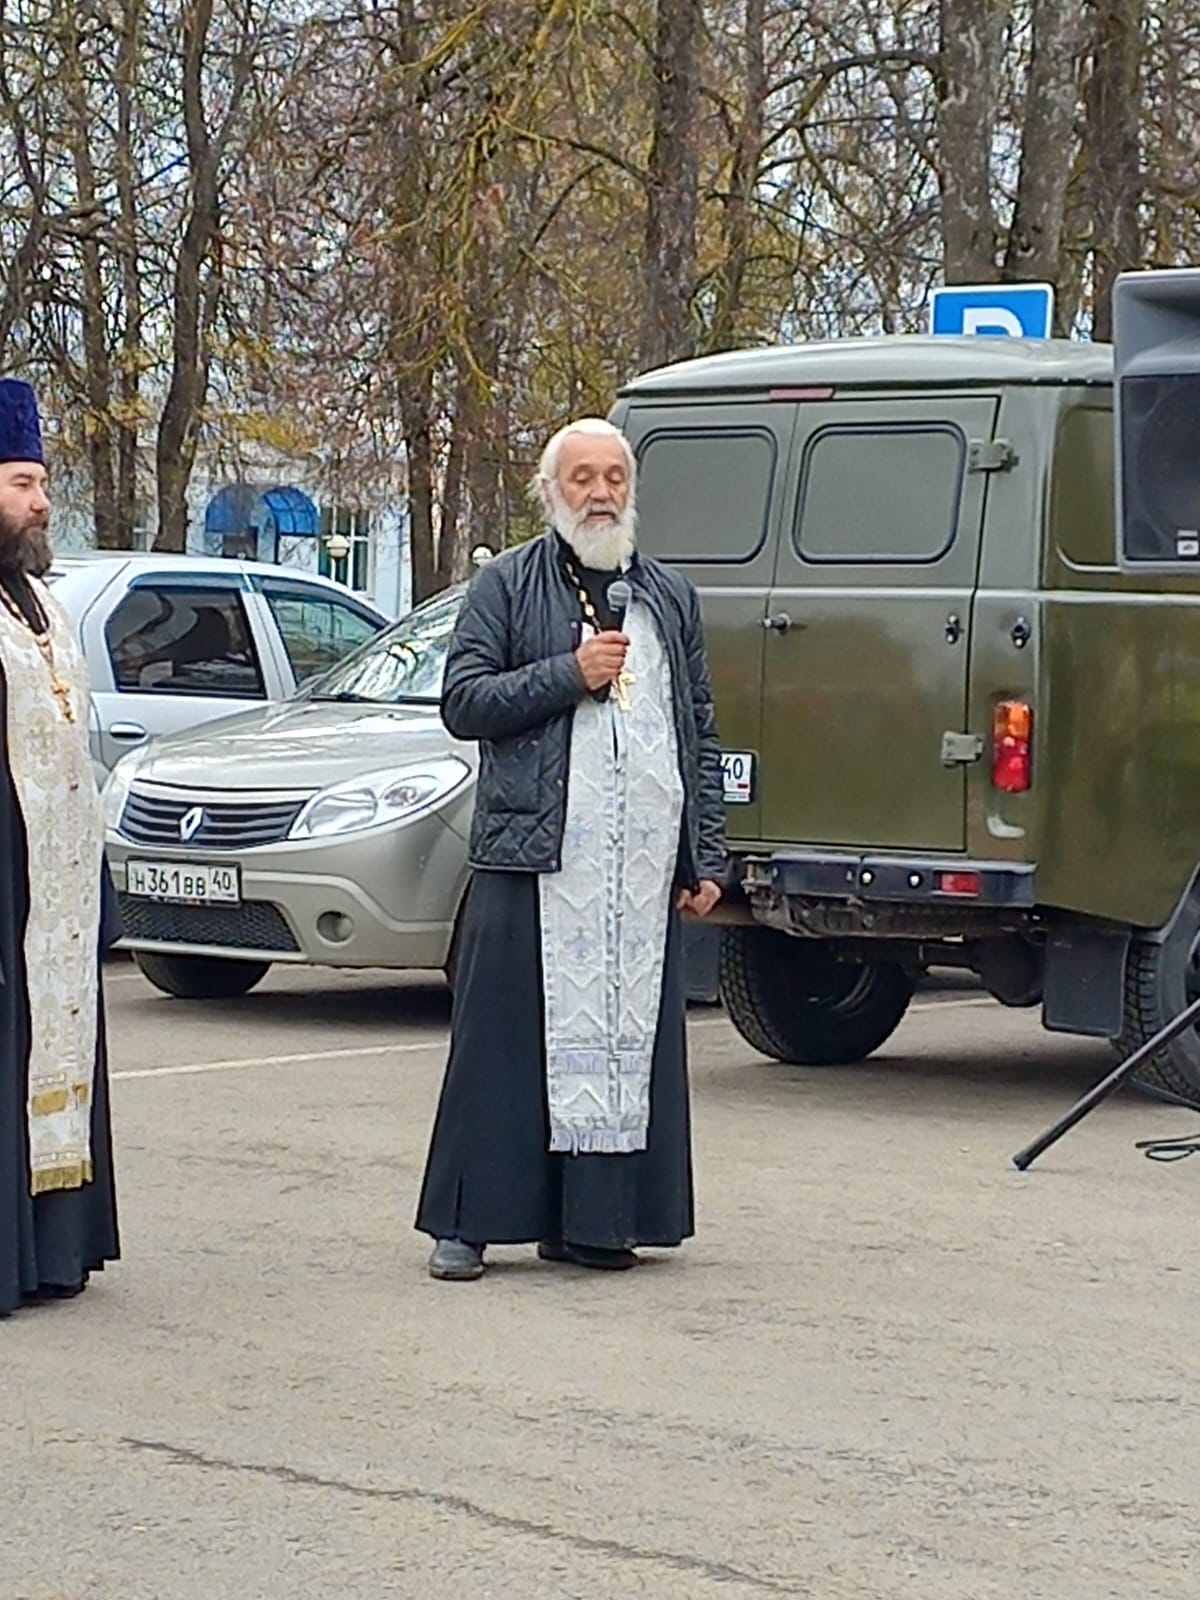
[601, 536]
[24, 545]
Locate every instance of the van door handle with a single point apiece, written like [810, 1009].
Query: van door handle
[779, 623]
[130, 731]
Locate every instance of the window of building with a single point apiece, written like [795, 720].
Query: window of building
[184, 639]
[880, 494]
[705, 495]
[354, 568]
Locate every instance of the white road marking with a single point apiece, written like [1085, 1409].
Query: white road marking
[954, 1005]
[300, 1058]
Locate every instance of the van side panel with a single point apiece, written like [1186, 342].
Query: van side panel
[878, 562]
[1119, 789]
[1005, 827]
[711, 475]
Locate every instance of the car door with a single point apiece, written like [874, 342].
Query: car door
[710, 483]
[869, 624]
[181, 651]
[317, 627]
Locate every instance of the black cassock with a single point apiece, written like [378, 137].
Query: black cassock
[53, 1241]
[491, 1178]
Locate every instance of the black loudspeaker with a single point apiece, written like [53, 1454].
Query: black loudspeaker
[1156, 340]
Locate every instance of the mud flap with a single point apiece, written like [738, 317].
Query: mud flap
[1085, 981]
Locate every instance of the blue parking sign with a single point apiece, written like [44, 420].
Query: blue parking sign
[993, 310]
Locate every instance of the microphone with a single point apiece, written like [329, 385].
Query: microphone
[619, 597]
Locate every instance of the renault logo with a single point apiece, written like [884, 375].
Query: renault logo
[190, 823]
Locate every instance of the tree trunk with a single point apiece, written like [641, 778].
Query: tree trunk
[743, 178]
[179, 425]
[971, 40]
[416, 408]
[1116, 184]
[672, 202]
[1051, 99]
[92, 302]
[130, 369]
[450, 522]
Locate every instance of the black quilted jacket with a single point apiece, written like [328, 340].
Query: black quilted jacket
[512, 683]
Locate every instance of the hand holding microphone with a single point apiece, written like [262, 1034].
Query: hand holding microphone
[602, 657]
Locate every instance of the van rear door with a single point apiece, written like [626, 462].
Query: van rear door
[711, 479]
[867, 647]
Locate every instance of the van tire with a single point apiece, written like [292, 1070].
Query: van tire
[791, 1000]
[1160, 980]
[201, 977]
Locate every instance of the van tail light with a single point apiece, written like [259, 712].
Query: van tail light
[1012, 746]
[961, 883]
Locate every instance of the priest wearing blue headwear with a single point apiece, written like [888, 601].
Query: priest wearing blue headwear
[58, 1219]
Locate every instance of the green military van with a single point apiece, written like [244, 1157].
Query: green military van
[954, 732]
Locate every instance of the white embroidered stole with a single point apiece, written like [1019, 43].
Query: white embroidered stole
[56, 791]
[604, 915]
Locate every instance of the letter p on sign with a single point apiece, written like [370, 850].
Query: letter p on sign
[994, 310]
[994, 320]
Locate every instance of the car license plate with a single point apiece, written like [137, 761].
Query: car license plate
[737, 776]
[183, 883]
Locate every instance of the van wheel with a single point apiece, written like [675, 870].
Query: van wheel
[1160, 980]
[791, 999]
[201, 977]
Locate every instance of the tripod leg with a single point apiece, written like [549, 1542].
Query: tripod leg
[1180, 1024]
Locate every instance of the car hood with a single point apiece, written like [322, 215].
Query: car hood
[298, 744]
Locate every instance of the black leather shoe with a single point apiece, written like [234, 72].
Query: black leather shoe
[456, 1261]
[587, 1255]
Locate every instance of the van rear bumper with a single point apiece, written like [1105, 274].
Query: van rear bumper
[908, 880]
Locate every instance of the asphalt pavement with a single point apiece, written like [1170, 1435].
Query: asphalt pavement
[888, 1365]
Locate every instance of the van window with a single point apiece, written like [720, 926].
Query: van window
[1082, 510]
[877, 494]
[705, 495]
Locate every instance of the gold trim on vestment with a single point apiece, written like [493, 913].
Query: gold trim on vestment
[71, 1176]
[45, 1102]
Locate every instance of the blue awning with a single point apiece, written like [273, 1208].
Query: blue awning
[231, 509]
[294, 513]
[239, 507]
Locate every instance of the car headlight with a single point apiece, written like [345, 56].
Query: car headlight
[116, 789]
[383, 797]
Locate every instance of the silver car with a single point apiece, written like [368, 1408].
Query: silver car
[330, 829]
[172, 641]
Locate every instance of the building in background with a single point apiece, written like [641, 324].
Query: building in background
[271, 512]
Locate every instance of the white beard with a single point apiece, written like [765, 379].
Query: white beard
[603, 545]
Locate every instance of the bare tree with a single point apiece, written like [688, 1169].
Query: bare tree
[971, 36]
[672, 181]
[1051, 101]
[1115, 183]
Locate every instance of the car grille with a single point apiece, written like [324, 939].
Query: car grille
[251, 926]
[151, 819]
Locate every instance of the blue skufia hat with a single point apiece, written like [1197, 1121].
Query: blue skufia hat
[20, 428]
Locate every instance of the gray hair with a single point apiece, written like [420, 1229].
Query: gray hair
[596, 427]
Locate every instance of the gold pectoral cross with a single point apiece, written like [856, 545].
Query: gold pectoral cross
[621, 689]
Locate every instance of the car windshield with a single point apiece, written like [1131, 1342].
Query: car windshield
[403, 664]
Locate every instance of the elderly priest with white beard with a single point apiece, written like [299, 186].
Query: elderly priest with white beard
[579, 666]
